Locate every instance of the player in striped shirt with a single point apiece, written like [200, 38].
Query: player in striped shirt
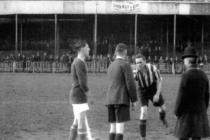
[150, 86]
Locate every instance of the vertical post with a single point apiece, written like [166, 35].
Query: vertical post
[167, 39]
[135, 34]
[16, 34]
[95, 34]
[55, 42]
[58, 38]
[161, 34]
[21, 39]
[202, 39]
[174, 40]
[130, 35]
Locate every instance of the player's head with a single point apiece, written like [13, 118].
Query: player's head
[121, 50]
[82, 48]
[140, 60]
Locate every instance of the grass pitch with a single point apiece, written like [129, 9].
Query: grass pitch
[36, 107]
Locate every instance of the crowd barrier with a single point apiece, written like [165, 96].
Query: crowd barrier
[92, 67]
[168, 68]
[50, 67]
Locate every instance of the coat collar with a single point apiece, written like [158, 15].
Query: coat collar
[193, 66]
[120, 57]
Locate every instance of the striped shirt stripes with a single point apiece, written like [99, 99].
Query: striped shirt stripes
[147, 76]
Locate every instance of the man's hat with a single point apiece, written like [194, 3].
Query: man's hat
[189, 52]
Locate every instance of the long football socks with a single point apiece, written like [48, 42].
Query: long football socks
[112, 136]
[162, 116]
[73, 133]
[142, 128]
[119, 137]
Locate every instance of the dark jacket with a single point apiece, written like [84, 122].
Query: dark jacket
[79, 85]
[122, 88]
[191, 105]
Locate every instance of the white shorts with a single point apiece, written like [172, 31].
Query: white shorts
[78, 108]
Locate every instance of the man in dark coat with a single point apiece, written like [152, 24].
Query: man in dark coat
[121, 91]
[192, 100]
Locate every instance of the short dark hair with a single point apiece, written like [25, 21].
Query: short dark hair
[139, 55]
[78, 44]
[121, 47]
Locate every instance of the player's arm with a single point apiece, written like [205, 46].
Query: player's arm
[159, 86]
[158, 79]
[135, 74]
[134, 70]
[130, 83]
[207, 94]
[82, 76]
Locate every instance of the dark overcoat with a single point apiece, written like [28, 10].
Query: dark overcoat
[121, 88]
[191, 105]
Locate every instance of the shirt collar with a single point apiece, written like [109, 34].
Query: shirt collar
[80, 59]
[120, 57]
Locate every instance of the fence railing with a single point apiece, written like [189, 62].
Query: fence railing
[50, 67]
[178, 68]
[92, 66]
[38, 67]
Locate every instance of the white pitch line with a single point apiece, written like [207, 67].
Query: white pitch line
[33, 102]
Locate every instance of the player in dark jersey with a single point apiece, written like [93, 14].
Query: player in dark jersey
[79, 93]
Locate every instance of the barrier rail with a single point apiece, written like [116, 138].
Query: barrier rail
[92, 66]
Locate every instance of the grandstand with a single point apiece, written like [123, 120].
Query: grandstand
[37, 35]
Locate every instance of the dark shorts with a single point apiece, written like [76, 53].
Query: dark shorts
[148, 94]
[118, 113]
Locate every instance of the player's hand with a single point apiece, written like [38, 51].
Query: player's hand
[134, 104]
[134, 73]
[87, 93]
[156, 98]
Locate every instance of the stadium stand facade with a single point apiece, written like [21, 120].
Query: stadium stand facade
[38, 35]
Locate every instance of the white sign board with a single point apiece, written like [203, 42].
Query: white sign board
[129, 6]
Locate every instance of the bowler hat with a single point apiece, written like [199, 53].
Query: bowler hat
[189, 52]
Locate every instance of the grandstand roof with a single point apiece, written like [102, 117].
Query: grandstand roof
[120, 0]
[150, 7]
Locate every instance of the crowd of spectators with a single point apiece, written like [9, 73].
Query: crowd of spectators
[95, 64]
[68, 58]
[154, 52]
[36, 57]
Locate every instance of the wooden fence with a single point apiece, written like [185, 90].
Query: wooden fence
[92, 66]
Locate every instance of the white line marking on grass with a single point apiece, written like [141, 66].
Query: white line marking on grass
[33, 102]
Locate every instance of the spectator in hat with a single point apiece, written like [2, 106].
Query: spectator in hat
[192, 100]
